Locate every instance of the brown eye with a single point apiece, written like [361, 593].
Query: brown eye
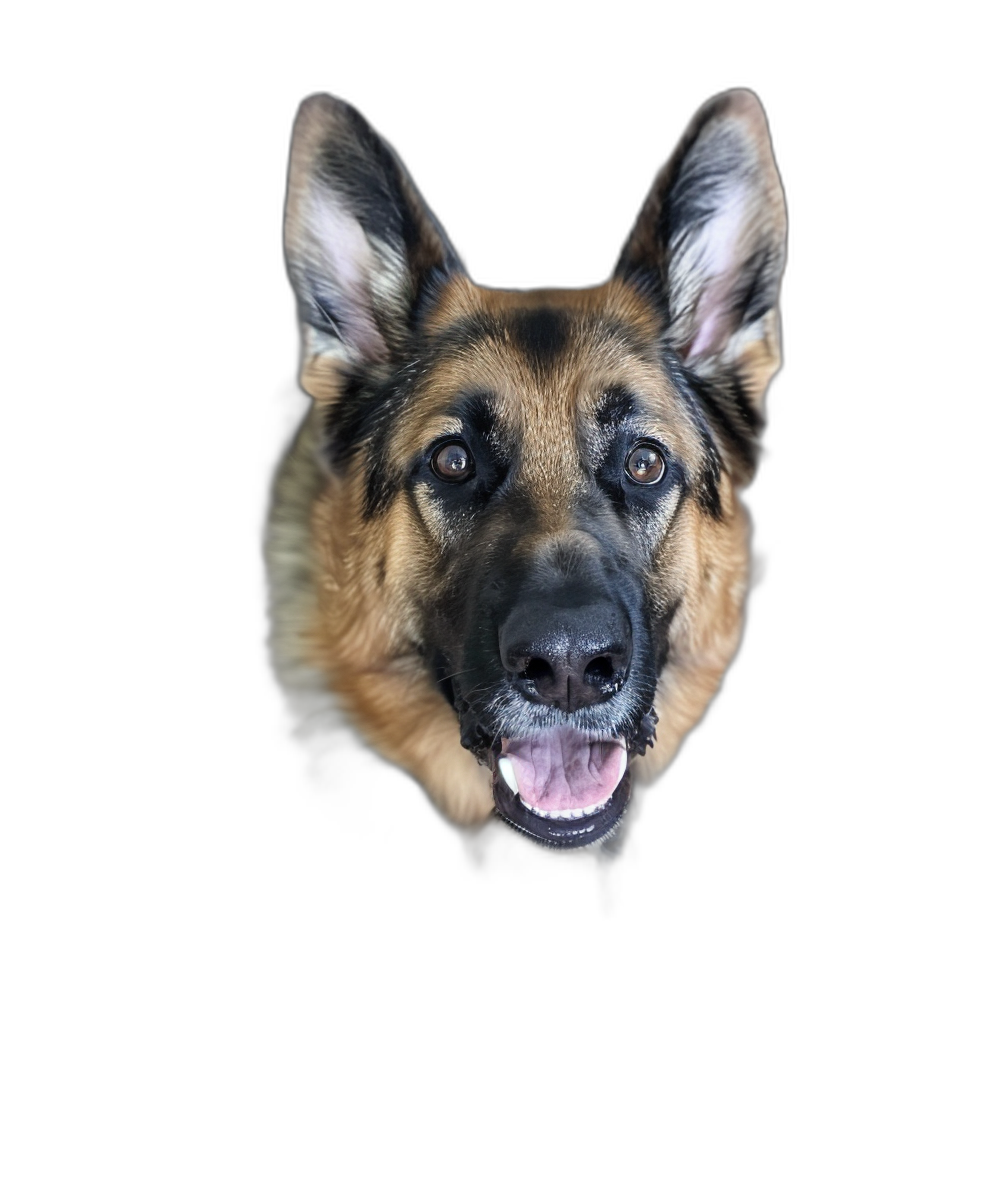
[452, 462]
[644, 464]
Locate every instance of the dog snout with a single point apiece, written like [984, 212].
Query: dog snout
[567, 657]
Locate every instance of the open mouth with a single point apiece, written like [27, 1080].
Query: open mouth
[561, 786]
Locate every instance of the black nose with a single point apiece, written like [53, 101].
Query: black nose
[568, 657]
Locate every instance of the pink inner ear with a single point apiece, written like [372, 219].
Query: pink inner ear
[711, 321]
[714, 258]
[349, 263]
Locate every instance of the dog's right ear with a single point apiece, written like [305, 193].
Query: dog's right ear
[362, 247]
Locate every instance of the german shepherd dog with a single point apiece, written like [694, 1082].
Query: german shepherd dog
[512, 519]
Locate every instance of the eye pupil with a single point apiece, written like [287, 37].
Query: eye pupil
[452, 462]
[644, 465]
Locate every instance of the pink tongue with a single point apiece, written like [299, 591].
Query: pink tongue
[561, 769]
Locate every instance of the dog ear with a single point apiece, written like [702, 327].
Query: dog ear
[362, 247]
[711, 240]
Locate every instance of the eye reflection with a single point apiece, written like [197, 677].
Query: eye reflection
[644, 464]
[452, 462]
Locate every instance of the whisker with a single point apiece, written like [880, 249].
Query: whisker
[457, 674]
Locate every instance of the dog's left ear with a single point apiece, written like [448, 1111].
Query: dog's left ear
[710, 240]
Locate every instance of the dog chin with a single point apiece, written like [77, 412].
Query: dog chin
[561, 786]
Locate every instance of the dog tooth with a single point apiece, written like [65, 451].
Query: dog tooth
[506, 770]
[564, 815]
[623, 764]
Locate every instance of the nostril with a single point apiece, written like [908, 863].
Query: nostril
[600, 669]
[537, 668]
[566, 656]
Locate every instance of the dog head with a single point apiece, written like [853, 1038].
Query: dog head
[541, 479]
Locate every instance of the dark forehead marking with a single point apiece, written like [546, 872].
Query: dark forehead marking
[540, 333]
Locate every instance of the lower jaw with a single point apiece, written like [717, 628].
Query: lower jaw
[562, 832]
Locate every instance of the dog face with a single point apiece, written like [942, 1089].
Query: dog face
[515, 511]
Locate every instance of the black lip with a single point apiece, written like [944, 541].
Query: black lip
[561, 832]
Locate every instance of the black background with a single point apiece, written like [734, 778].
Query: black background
[764, 832]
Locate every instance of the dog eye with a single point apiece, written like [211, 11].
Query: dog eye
[452, 461]
[644, 464]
